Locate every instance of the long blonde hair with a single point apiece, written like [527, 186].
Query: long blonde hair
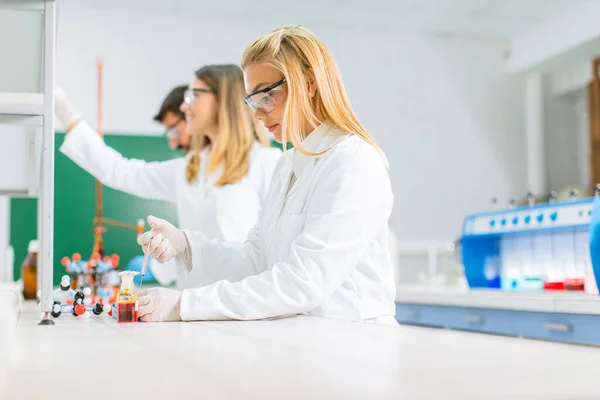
[293, 51]
[237, 131]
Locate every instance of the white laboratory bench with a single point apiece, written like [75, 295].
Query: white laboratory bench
[297, 357]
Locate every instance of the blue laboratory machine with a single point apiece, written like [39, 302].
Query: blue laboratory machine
[541, 247]
[531, 270]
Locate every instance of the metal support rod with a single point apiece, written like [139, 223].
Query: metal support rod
[99, 245]
[46, 256]
[114, 222]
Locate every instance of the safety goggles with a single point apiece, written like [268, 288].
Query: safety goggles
[263, 99]
[172, 132]
[190, 95]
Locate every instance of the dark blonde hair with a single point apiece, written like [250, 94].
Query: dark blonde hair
[237, 132]
[293, 51]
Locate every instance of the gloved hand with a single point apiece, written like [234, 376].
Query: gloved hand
[159, 305]
[164, 241]
[64, 110]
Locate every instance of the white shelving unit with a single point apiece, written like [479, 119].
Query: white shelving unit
[27, 115]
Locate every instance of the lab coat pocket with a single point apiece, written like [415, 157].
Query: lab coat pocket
[290, 226]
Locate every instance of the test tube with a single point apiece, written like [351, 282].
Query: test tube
[573, 262]
[581, 256]
[497, 248]
[529, 241]
[515, 256]
[551, 274]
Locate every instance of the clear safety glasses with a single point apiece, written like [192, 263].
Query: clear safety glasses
[263, 99]
[172, 132]
[190, 95]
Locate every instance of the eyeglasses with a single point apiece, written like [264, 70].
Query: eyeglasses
[263, 99]
[190, 95]
[172, 132]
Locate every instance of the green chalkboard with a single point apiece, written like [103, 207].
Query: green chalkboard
[74, 207]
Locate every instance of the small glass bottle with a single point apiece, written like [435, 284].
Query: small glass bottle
[127, 299]
[29, 271]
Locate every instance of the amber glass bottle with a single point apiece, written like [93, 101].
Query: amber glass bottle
[29, 271]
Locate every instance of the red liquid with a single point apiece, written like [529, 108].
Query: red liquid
[575, 284]
[554, 285]
[127, 312]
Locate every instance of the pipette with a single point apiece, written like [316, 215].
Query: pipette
[145, 264]
[146, 255]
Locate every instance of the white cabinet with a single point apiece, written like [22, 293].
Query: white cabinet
[20, 155]
[27, 48]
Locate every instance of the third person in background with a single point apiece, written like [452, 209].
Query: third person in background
[173, 119]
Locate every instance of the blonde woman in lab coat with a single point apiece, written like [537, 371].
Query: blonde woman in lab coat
[218, 187]
[320, 246]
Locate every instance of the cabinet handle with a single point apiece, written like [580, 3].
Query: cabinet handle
[473, 319]
[550, 326]
[411, 313]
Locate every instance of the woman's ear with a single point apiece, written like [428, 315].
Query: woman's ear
[312, 83]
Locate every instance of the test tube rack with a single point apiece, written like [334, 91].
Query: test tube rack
[550, 246]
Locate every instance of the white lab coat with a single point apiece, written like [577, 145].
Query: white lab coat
[225, 212]
[319, 248]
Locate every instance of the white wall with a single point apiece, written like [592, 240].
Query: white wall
[561, 142]
[448, 116]
[582, 128]
[567, 119]
[567, 140]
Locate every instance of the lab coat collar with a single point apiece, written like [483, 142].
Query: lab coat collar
[321, 139]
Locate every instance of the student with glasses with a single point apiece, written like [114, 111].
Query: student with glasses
[221, 184]
[320, 246]
[173, 119]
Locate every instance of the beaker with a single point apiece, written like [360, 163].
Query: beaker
[127, 299]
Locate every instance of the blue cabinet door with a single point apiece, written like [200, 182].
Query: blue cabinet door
[417, 314]
[574, 328]
[481, 320]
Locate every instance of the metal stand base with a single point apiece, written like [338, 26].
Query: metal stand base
[46, 320]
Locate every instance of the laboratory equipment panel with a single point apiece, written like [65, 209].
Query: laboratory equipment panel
[532, 248]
